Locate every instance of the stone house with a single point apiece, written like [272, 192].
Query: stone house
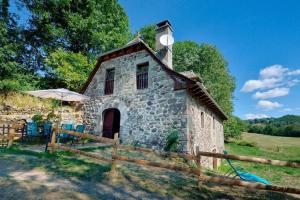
[134, 91]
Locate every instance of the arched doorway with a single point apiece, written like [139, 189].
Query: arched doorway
[111, 122]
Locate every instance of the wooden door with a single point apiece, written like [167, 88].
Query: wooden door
[108, 124]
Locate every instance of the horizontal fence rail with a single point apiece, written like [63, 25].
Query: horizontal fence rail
[251, 159]
[86, 135]
[158, 164]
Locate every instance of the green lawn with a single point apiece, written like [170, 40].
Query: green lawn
[271, 147]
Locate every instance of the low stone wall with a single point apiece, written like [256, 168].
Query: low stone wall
[14, 114]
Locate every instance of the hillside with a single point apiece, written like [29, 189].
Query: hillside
[287, 125]
[270, 147]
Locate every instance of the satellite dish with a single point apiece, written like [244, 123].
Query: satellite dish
[166, 40]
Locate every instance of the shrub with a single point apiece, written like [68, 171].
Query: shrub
[38, 118]
[52, 116]
[246, 143]
[172, 140]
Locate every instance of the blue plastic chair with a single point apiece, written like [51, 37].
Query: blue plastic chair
[246, 175]
[67, 127]
[47, 129]
[32, 129]
[80, 128]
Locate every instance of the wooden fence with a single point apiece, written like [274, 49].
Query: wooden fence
[7, 133]
[194, 171]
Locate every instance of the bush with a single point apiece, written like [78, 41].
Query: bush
[38, 118]
[52, 117]
[172, 140]
[246, 143]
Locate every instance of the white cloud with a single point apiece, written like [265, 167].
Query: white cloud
[276, 92]
[268, 105]
[252, 85]
[273, 71]
[272, 77]
[294, 72]
[255, 116]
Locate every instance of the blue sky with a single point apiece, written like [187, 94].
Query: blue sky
[259, 39]
[252, 35]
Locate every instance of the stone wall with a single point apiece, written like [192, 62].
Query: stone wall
[208, 136]
[146, 115]
[13, 114]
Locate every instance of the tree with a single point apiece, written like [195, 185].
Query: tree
[147, 34]
[67, 69]
[207, 62]
[89, 27]
[233, 128]
[12, 73]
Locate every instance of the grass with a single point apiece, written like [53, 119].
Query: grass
[271, 147]
[24, 101]
[61, 163]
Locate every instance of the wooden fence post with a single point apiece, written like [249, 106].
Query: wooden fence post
[198, 156]
[113, 172]
[11, 135]
[53, 140]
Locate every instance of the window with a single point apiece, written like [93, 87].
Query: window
[109, 81]
[202, 120]
[214, 123]
[142, 76]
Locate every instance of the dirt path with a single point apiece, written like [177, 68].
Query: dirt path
[18, 180]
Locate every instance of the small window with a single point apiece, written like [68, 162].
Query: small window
[142, 76]
[109, 81]
[202, 120]
[214, 123]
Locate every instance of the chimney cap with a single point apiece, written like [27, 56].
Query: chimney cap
[163, 23]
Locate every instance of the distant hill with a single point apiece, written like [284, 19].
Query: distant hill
[287, 125]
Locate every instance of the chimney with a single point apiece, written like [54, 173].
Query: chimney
[164, 52]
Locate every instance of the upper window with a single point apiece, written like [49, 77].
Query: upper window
[142, 76]
[202, 120]
[214, 123]
[109, 81]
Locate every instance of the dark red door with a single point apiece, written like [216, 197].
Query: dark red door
[111, 123]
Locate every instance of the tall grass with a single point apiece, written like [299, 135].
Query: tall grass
[24, 101]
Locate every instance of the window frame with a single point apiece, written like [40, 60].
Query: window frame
[109, 82]
[142, 76]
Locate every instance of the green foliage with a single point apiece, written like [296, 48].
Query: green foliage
[67, 69]
[172, 140]
[38, 118]
[52, 117]
[233, 128]
[90, 27]
[207, 62]
[147, 34]
[288, 125]
[13, 76]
